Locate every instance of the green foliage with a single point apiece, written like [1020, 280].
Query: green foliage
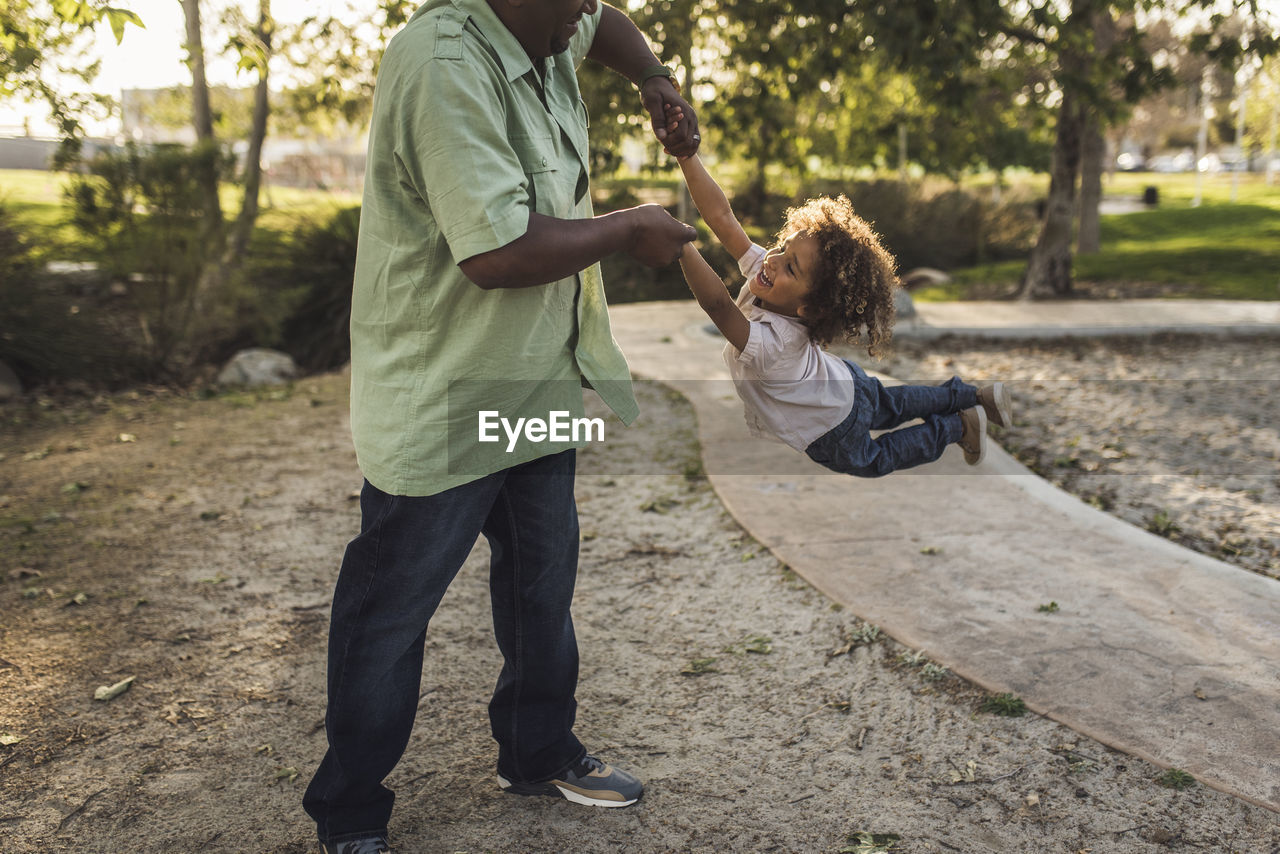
[1162, 524]
[142, 213]
[1216, 251]
[865, 842]
[1176, 778]
[37, 36]
[49, 330]
[171, 108]
[334, 62]
[1005, 705]
[310, 269]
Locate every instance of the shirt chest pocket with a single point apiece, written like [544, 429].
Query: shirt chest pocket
[550, 191]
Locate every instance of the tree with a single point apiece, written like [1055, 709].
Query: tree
[1100, 62]
[226, 247]
[333, 64]
[41, 39]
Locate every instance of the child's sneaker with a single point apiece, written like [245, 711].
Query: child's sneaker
[973, 441]
[995, 402]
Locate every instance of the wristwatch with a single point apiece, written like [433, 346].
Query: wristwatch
[655, 71]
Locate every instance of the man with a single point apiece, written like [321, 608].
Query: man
[478, 294]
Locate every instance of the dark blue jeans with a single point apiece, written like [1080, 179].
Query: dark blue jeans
[849, 448]
[393, 576]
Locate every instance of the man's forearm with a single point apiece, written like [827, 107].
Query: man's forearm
[620, 45]
[550, 250]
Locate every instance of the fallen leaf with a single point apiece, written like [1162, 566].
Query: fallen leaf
[110, 692]
[126, 437]
[8, 738]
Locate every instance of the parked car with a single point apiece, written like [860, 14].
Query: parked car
[1182, 162]
[1130, 161]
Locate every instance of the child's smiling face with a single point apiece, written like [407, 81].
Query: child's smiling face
[785, 278]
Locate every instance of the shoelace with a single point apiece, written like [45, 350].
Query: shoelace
[587, 765]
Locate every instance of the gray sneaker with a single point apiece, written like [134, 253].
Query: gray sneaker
[376, 844]
[590, 782]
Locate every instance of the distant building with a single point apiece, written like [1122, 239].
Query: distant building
[36, 152]
[312, 163]
[139, 122]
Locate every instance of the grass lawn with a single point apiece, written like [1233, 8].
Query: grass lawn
[1222, 249]
[1219, 250]
[36, 198]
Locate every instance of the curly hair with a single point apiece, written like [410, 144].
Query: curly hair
[851, 292]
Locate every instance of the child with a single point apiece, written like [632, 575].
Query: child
[828, 275]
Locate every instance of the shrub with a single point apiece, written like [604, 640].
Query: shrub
[309, 272]
[142, 215]
[951, 228]
[50, 328]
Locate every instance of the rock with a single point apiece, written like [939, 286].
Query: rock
[10, 385]
[921, 276]
[903, 306]
[257, 367]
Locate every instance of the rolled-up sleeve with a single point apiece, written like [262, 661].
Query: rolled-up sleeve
[453, 148]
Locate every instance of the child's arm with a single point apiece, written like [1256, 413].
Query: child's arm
[709, 199]
[714, 297]
[714, 207]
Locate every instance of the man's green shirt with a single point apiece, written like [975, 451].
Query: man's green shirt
[468, 138]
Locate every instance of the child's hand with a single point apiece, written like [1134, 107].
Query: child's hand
[674, 114]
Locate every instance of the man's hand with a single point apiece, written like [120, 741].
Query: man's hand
[657, 238]
[659, 95]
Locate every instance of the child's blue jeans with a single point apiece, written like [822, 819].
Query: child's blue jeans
[849, 447]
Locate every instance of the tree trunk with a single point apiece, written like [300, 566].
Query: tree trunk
[248, 217]
[226, 254]
[1048, 272]
[1093, 154]
[202, 119]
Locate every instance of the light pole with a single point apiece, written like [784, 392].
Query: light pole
[1271, 142]
[1241, 103]
[1202, 137]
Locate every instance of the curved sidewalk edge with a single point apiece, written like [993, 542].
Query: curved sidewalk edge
[1156, 650]
[1089, 318]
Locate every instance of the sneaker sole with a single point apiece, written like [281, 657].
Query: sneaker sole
[1003, 406]
[556, 790]
[982, 438]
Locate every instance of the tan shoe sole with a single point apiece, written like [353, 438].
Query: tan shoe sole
[974, 439]
[997, 404]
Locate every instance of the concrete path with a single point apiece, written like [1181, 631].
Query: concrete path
[1018, 319]
[1157, 651]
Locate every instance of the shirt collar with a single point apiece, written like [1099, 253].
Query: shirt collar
[515, 62]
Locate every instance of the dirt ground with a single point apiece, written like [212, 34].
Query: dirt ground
[191, 544]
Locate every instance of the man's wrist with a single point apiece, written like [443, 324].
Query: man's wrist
[653, 71]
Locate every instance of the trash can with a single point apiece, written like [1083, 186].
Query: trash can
[1151, 196]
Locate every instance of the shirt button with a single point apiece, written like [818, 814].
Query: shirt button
[544, 161]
